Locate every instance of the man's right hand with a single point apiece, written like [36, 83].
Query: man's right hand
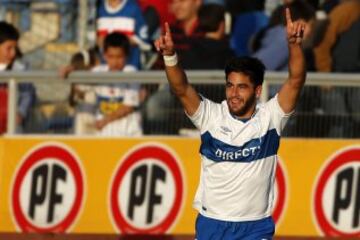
[164, 44]
[175, 74]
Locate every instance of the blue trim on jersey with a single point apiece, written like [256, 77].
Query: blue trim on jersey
[244, 120]
[252, 150]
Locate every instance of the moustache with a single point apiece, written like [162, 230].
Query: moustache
[236, 98]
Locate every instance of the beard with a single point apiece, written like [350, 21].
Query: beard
[248, 104]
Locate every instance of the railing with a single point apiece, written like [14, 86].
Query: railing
[348, 81]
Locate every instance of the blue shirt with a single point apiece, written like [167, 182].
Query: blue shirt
[274, 52]
[126, 19]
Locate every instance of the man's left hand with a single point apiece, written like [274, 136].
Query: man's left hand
[295, 30]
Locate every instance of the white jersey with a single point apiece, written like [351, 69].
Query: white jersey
[111, 97]
[238, 160]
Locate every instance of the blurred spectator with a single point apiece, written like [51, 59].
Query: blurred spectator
[341, 18]
[9, 52]
[82, 96]
[250, 18]
[156, 13]
[186, 27]
[79, 61]
[123, 16]
[212, 50]
[117, 104]
[339, 51]
[346, 52]
[271, 43]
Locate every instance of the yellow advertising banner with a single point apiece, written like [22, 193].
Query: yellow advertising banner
[147, 185]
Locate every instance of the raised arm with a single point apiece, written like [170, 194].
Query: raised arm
[290, 91]
[176, 75]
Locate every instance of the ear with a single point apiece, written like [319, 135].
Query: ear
[258, 90]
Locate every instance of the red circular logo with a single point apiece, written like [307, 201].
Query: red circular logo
[280, 192]
[147, 191]
[337, 195]
[48, 190]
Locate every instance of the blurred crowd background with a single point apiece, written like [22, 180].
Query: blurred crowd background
[117, 36]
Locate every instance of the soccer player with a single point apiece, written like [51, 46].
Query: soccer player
[239, 140]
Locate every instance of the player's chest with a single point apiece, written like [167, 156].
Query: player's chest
[236, 132]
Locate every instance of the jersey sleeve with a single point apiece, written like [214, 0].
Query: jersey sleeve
[205, 112]
[278, 117]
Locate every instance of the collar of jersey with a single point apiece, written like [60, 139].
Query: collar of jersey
[243, 120]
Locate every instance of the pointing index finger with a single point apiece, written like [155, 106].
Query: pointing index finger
[167, 28]
[288, 16]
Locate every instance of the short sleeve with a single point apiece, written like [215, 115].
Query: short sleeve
[278, 117]
[204, 114]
